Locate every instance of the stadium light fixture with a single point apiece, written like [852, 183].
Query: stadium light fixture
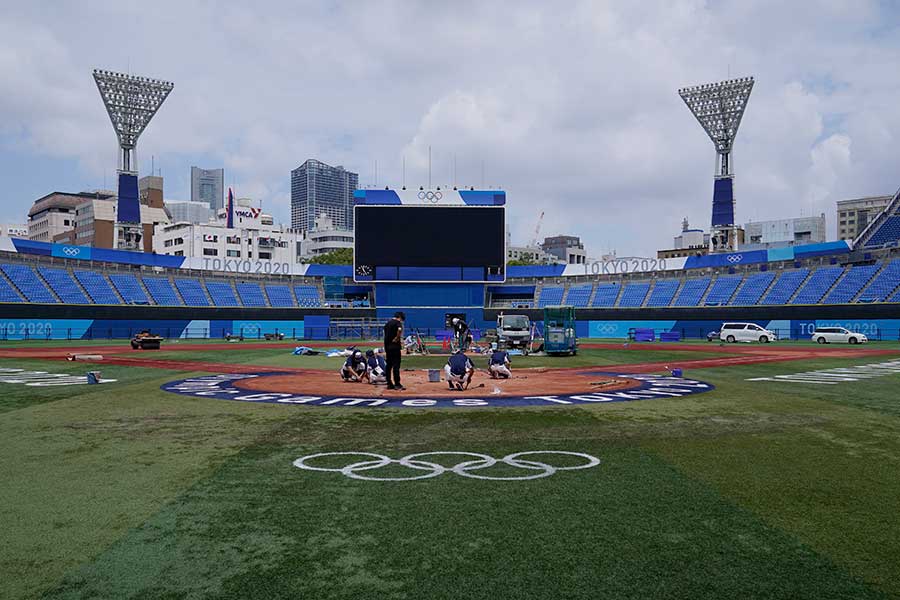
[719, 108]
[131, 102]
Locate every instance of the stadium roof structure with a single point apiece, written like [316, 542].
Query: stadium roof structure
[131, 102]
[719, 108]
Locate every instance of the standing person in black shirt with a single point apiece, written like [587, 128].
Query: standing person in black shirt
[393, 344]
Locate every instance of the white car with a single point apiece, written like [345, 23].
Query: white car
[745, 332]
[837, 335]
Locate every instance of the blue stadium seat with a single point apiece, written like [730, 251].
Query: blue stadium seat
[606, 294]
[251, 294]
[691, 292]
[785, 286]
[579, 295]
[722, 290]
[129, 288]
[895, 297]
[162, 291]
[280, 296]
[61, 282]
[663, 292]
[817, 284]
[192, 292]
[27, 282]
[97, 287]
[633, 295]
[850, 285]
[550, 296]
[752, 290]
[221, 293]
[307, 296]
[889, 231]
[884, 284]
[8, 293]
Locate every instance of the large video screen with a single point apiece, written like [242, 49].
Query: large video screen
[425, 236]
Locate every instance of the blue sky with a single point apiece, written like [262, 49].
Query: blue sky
[575, 112]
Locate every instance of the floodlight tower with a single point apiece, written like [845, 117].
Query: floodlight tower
[130, 102]
[719, 108]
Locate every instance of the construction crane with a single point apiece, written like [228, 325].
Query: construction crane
[537, 231]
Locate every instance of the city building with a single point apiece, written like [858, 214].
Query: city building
[530, 254]
[325, 238]
[254, 237]
[318, 188]
[14, 230]
[95, 225]
[691, 242]
[208, 186]
[567, 248]
[786, 232]
[853, 215]
[53, 216]
[187, 211]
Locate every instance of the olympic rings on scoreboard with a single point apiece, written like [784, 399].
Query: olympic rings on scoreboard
[432, 197]
[534, 469]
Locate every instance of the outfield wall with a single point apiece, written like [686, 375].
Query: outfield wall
[65, 321]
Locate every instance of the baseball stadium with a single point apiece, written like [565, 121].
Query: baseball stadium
[722, 425]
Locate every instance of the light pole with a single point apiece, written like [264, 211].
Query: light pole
[719, 107]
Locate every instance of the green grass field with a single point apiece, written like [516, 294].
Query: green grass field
[753, 490]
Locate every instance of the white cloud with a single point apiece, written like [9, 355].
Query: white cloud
[573, 109]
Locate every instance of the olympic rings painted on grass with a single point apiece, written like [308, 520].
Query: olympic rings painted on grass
[433, 469]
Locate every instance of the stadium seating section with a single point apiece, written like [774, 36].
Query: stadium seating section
[753, 289]
[579, 295]
[551, 296]
[634, 294]
[26, 281]
[162, 292]
[818, 283]
[307, 295]
[785, 287]
[663, 292]
[874, 282]
[63, 285]
[8, 293]
[251, 294]
[884, 284]
[279, 295]
[850, 284]
[192, 292]
[692, 292]
[722, 290]
[129, 288]
[606, 294]
[222, 293]
[97, 287]
[888, 232]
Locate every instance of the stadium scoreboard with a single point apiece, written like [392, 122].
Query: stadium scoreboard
[429, 236]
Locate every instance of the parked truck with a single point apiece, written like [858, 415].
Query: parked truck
[513, 332]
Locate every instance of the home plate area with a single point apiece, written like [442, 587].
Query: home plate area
[527, 387]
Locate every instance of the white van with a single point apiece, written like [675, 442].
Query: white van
[839, 335]
[745, 332]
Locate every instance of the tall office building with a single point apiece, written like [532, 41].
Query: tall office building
[208, 185]
[186, 211]
[317, 188]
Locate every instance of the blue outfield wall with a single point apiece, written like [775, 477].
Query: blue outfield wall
[427, 320]
[874, 329]
[86, 329]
